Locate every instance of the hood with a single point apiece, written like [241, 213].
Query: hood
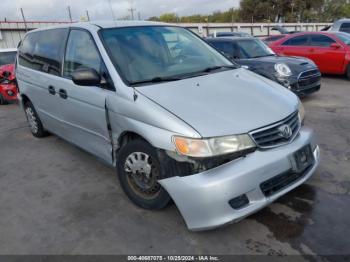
[225, 103]
[296, 64]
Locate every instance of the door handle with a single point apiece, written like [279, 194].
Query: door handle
[63, 93]
[52, 90]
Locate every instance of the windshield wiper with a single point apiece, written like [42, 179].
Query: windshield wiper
[157, 79]
[215, 68]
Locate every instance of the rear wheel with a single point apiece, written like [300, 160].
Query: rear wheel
[35, 124]
[348, 72]
[139, 170]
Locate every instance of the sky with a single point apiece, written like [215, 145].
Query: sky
[54, 10]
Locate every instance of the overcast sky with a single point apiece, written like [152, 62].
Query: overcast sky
[99, 9]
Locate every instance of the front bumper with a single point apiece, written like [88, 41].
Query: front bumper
[203, 199]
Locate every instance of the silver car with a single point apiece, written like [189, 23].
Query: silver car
[174, 117]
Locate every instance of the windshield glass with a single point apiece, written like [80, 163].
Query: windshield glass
[253, 48]
[154, 53]
[7, 58]
[344, 38]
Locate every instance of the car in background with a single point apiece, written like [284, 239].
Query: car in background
[342, 25]
[273, 38]
[8, 86]
[300, 75]
[330, 51]
[7, 56]
[283, 33]
[235, 34]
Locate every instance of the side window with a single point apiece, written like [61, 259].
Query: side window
[81, 52]
[43, 51]
[321, 40]
[345, 27]
[225, 47]
[297, 41]
[26, 51]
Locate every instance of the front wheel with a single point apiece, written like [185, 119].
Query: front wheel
[139, 170]
[348, 72]
[36, 127]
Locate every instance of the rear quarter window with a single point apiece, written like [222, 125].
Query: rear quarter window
[43, 51]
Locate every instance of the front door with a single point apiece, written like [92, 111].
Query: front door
[83, 107]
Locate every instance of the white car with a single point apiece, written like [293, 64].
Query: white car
[7, 56]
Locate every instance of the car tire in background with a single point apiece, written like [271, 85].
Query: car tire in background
[35, 124]
[139, 170]
[2, 100]
[348, 72]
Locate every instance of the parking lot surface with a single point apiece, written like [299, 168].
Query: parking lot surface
[57, 199]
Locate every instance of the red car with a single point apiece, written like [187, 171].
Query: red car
[330, 51]
[8, 86]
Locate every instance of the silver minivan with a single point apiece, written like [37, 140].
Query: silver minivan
[175, 118]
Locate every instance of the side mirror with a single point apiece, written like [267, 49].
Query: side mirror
[335, 45]
[86, 77]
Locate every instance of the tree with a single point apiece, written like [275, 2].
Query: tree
[270, 11]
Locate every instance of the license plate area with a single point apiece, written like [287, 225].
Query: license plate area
[303, 159]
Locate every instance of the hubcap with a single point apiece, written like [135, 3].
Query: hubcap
[32, 120]
[142, 174]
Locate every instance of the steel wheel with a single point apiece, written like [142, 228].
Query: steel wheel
[139, 171]
[32, 120]
[142, 175]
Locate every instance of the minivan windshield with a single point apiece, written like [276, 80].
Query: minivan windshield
[151, 54]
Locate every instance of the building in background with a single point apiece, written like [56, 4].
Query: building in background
[11, 33]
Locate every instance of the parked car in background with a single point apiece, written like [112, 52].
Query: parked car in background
[236, 34]
[181, 123]
[330, 51]
[300, 75]
[7, 56]
[272, 38]
[342, 25]
[8, 86]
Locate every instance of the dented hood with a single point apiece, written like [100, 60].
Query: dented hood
[224, 103]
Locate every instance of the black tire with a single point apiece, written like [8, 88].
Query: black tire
[37, 130]
[150, 194]
[2, 100]
[348, 72]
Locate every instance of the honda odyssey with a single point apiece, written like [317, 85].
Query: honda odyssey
[175, 117]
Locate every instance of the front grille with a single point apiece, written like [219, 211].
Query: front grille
[272, 136]
[309, 78]
[280, 182]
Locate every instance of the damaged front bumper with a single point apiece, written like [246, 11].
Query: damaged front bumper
[204, 199]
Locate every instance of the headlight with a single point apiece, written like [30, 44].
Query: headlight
[283, 70]
[212, 146]
[301, 112]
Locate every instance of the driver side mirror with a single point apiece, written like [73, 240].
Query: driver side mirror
[86, 77]
[335, 45]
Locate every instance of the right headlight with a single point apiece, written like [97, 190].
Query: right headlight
[212, 146]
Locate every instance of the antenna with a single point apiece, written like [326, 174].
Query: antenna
[24, 19]
[69, 14]
[111, 8]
